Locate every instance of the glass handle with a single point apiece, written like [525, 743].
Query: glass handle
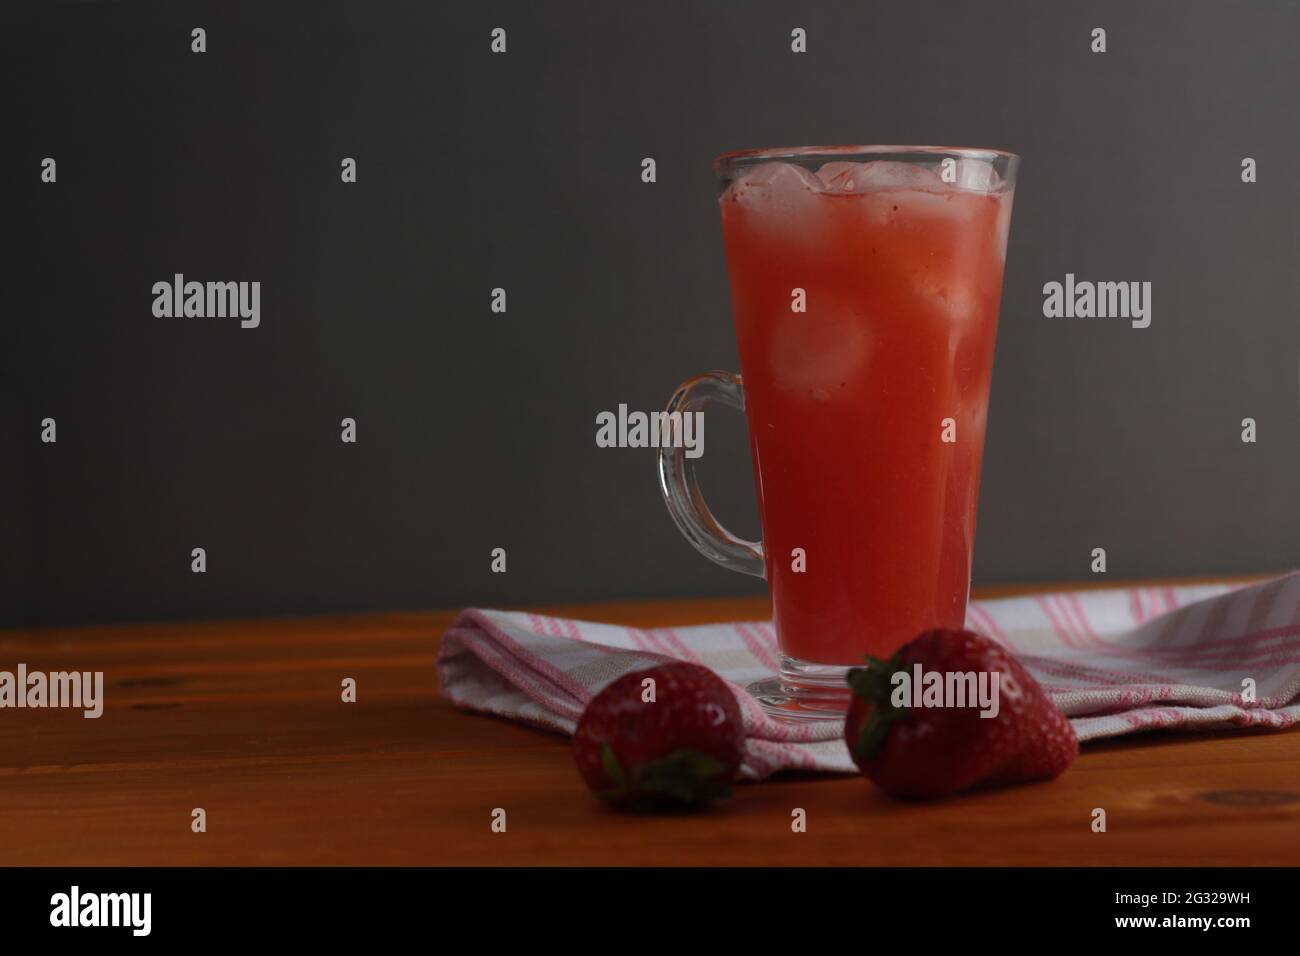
[681, 489]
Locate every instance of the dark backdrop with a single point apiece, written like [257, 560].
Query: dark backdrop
[522, 171]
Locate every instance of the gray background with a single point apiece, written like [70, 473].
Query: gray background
[477, 430]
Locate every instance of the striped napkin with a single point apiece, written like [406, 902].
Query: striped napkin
[1115, 661]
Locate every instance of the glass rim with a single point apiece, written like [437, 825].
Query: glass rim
[776, 153]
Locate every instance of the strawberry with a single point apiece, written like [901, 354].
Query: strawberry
[923, 751]
[679, 750]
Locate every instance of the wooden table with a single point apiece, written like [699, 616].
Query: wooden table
[244, 719]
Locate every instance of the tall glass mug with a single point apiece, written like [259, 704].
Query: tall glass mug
[864, 284]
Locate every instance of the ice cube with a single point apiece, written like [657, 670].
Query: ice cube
[877, 175]
[776, 188]
[780, 201]
[779, 177]
[945, 203]
[818, 353]
[1004, 225]
[946, 297]
[977, 175]
[842, 177]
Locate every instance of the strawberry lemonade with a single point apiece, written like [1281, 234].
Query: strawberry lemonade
[865, 299]
[864, 286]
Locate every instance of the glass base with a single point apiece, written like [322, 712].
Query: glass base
[804, 691]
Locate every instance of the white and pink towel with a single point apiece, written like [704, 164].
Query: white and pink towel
[1115, 661]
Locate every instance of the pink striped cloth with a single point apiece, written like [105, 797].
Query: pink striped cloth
[1115, 661]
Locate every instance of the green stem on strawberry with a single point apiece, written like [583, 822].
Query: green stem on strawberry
[874, 684]
[684, 778]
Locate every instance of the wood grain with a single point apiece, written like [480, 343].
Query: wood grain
[243, 718]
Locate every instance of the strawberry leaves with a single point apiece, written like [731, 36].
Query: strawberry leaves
[685, 778]
[874, 684]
